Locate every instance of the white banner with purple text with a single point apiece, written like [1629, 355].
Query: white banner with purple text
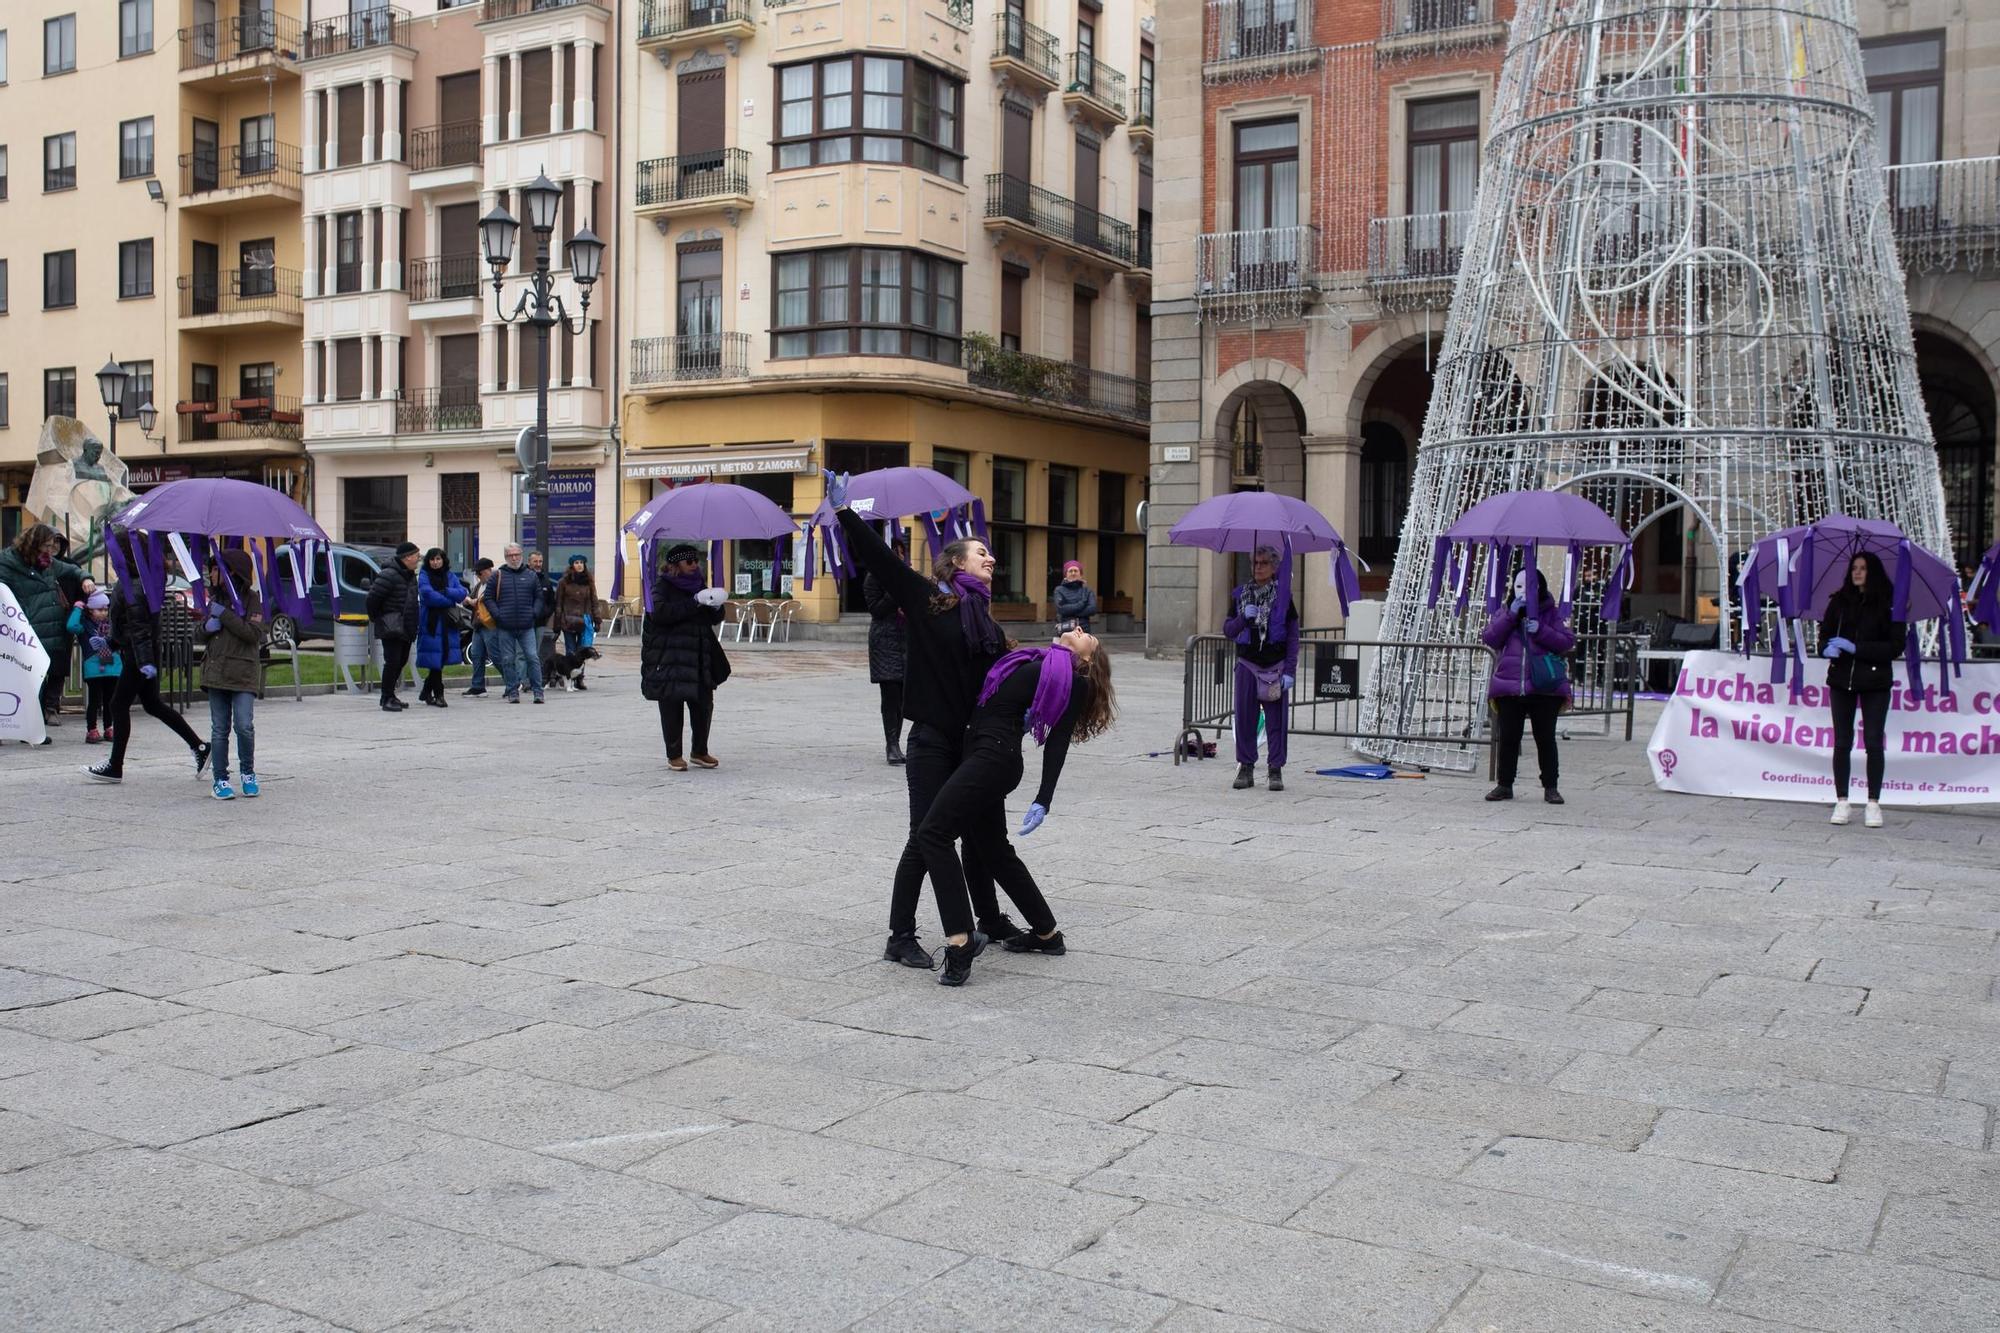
[1727, 731]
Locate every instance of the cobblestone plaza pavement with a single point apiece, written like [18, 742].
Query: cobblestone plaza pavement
[482, 1020]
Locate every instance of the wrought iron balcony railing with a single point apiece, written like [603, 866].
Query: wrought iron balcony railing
[1052, 215]
[1257, 35]
[1096, 80]
[690, 356]
[1014, 38]
[1412, 260]
[428, 410]
[1946, 214]
[1064, 383]
[242, 291]
[452, 145]
[443, 277]
[357, 30]
[237, 166]
[241, 35]
[1445, 20]
[690, 177]
[506, 9]
[1264, 274]
[667, 18]
[251, 417]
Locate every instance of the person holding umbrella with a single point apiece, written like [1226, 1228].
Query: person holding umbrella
[681, 662]
[1860, 639]
[1264, 624]
[135, 633]
[1530, 682]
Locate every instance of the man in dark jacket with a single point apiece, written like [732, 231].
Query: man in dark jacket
[34, 573]
[680, 660]
[1075, 602]
[393, 611]
[519, 598]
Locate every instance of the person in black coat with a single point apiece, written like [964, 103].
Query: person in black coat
[888, 653]
[393, 611]
[1860, 641]
[135, 632]
[680, 660]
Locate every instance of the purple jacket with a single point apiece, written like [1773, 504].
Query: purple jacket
[1508, 635]
[1239, 629]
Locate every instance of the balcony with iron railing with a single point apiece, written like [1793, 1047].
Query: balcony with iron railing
[1060, 383]
[1262, 274]
[1094, 89]
[429, 410]
[693, 182]
[689, 358]
[242, 298]
[442, 278]
[492, 10]
[436, 147]
[665, 24]
[253, 417]
[1946, 215]
[229, 48]
[1014, 204]
[357, 30]
[1026, 54]
[1140, 127]
[1413, 260]
[1243, 38]
[1420, 24]
[255, 174]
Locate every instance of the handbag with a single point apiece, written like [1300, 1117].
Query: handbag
[1547, 673]
[459, 617]
[482, 615]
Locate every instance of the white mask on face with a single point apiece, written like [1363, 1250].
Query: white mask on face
[1521, 584]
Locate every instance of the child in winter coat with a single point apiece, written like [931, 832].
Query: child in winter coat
[232, 669]
[90, 626]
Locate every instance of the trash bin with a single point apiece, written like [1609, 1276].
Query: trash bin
[355, 646]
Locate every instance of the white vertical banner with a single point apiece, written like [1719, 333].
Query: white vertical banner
[23, 665]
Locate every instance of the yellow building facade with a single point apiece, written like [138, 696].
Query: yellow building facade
[862, 236]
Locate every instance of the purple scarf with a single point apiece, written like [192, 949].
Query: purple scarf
[974, 595]
[1051, 701]
[688, 583]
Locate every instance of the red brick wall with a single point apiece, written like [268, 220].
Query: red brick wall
[1235, 346]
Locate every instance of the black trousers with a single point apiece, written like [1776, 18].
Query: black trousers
[433, 684]
[892, 710]
[674, 714]
[133, 686]
[1538, 710]
[52, 684]
[395, 656]
[97, 692]
[972, 806]
[1874, 725]
[931, 758]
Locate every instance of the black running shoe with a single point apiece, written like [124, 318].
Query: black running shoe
[1501, 793]
[904, 949]
[201, 753]
[1000, 928]
[958, 960]
[1029, 942]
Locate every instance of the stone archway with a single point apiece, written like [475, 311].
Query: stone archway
[1958, 384]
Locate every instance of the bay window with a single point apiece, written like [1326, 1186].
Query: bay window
[865, 301]
[909, 114]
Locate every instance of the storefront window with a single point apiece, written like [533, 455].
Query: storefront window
[754, 565]
[1009, 510]
[377, 508]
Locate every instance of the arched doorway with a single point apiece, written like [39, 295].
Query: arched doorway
[1959, 399]
[1392, 425]
[1263, 425]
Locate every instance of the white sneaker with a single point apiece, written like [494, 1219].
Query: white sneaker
[1841, 813]
[1872, 816]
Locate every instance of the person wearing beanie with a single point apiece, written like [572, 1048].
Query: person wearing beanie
[232, 670]
[438, 591]
[90, 626]
[681, 662]
[393, 611]
[1075, 602]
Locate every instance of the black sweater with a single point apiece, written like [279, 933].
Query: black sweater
[1878, 641]
[1005, 717]
[943, 673]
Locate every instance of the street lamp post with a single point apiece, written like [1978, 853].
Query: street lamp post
[111, 390]
[541, 307]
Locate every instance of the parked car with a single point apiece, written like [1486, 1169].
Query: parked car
[356, 567]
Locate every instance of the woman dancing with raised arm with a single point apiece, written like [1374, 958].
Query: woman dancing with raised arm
[1061, 693]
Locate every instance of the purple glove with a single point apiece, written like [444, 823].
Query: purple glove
[149, 671]
[1534, 626]
[213, 624]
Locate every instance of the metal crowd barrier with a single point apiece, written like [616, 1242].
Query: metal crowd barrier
[1604, 680]
[1439, 696]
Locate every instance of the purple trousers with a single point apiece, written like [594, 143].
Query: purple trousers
[1247, 704]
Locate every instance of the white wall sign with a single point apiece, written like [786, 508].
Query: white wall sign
[1177, 453]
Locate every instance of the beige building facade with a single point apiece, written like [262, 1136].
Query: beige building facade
[149, 214]
[903, 233]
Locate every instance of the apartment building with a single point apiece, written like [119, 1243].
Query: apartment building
[149, 206]
[1314, 200]
[418, 121]
[902, 233]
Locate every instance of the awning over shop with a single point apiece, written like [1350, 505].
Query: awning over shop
[673, 464]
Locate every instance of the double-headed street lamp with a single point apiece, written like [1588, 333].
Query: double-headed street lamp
[541, 307]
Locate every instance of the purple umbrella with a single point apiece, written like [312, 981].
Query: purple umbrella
[198, 515]
[1245, 520]
[1528, 519]
[947, 509]
[710, 511]
[1803, 567]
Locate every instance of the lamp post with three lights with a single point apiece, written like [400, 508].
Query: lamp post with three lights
[541, 307]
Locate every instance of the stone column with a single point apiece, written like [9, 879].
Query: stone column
[367, 366]
[315, 365]
[558, 122]
[392, 115]
[583, 116]
[392, 375]
[510, 343]
[312, 134]
[489, 101]
[392, 248]
[514, 99]
[1333, 486]
[368, 145]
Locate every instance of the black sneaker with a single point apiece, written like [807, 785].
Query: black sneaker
[1000, 929]
[1501, 793]
[1029, 942]
[958, 960]
[103, 773]
[904, 949]
[201, 753]
[474, 692]
[1277, 778]
[1246, 778]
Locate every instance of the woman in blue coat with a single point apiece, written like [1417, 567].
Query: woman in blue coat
[438, 591]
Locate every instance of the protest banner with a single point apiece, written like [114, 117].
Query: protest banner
[23, 664]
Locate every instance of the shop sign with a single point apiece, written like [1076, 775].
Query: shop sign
[715, 463]
[572, 509]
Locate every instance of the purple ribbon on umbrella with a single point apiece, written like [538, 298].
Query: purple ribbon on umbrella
[1531, 520]
[1241, 521]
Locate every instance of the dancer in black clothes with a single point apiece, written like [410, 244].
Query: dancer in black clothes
[951, 642]
[1062, 694]
[135, 633]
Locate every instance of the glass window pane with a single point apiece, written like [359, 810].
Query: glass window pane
[1881, 59]
[1267, 138]
[1451, 113]
[1918, 140]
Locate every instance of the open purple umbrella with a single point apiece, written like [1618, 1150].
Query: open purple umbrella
[710, 511]
[197, 515]
[1245, 520]
[1801, 568]
[1529, 520]
[947, 509]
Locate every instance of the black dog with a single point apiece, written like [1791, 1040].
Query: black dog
[560, 668]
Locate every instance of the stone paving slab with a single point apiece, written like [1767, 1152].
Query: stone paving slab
[623, 1054]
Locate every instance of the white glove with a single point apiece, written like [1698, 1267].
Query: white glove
[711, 597]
